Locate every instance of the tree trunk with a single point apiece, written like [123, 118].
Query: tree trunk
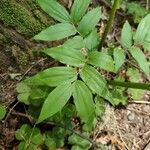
[20, 20]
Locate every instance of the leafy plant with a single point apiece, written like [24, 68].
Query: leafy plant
[2, 112]
[77, 81]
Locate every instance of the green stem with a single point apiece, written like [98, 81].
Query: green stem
[133, 85]
[109, 24]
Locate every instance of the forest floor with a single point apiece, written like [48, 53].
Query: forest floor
[123, 127]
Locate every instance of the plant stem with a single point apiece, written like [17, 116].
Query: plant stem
[109, 24]
[133, 85]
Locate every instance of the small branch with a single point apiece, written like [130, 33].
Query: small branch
[133, 85]
[109, 24]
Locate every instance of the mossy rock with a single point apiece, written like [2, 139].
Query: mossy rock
[19, 15]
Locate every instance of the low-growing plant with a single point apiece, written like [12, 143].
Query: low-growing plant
[77, 88]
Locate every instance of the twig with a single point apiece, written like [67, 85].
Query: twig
[119, 132]
[140, 102]
[11, 109]
[147, 5]
[134, 85]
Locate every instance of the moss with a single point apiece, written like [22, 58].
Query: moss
[16, 15]
[22, 57]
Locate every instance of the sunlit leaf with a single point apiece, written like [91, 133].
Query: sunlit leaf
[95, 81]
[55, 10]
[119, 57]
[101, 59]
[75, 43]
[66, 55]
[142, 35]
[126, 35]
[84, 102]
[78, 9]
[55, 101]
[92, 40]
[56, 32]
[140, 58]
[89, 21]
[53, 76]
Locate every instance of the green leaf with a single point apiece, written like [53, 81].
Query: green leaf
[36, 137]
[101, 59]
[24, 93]
[99, 106]
[139, 56]
[78, 9]
[50, 143]
[55, 101]
[55, 10]
[89, 21]
[142, 35]
[27, 146]
[92, 40]
[23, 133]
[135, 76]
[76, 42]
[56, 32]
[119, 58]
[76, 140]
[126, 35]
[53, 76]
[75, 147]
[66, 55]
[95, 81]
[2, 112]
[84, 102]
[119, 98]
[22, 146]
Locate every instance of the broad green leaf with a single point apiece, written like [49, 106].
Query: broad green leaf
[75, 147]
[143, 31]
[24, 92]
[36, 137]
[101, 59]
[55, 10]
[23, 133]
[92, 40]
[119, 98]
[126, 35]
[139, 56]
[99, 106]
[26, 146]
[77, 140]
[2, 112]
[66, 55]
[135, 76]
[55, 101]
[56, 32]
[89, 21]
[84, 102]
[76, 42]
[95, 82]
[50, 143]
[119, 58]
[53, 76]
[78, 9]
[22, 146]
[146, 43]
